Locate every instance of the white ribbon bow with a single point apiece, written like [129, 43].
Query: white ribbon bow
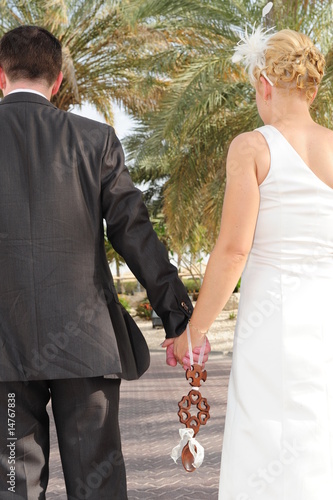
[186, 436]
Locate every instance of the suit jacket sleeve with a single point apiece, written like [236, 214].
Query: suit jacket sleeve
[130, 232]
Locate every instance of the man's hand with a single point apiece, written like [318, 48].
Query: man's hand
[171, 359]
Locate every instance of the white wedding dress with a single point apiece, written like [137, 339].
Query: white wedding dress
[278, 440]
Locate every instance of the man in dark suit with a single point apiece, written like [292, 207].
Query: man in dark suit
[63, 332]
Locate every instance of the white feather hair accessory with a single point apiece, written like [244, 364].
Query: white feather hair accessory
[250, 51]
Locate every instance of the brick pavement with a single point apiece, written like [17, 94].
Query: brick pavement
[150, 429]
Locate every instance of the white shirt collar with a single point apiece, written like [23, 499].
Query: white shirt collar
[30, 91]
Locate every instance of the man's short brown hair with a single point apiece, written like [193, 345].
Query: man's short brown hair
[30, 53]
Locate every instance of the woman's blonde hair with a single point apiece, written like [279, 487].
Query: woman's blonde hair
[292, 61]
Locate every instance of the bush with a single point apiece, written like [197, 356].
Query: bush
[192, 285]
[144, 309]
[130, 287]
[125, 303]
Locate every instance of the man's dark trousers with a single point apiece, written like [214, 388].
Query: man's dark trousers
[86, 417]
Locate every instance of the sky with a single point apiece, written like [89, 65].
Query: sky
[123, 123]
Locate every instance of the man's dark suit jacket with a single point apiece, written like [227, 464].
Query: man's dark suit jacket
[60, 317]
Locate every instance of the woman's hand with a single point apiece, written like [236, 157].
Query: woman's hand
[177, 349]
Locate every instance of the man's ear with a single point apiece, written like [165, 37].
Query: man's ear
[3, 79]
[57, 83]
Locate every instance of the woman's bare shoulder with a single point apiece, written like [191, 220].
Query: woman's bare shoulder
[319, 137]
[248, 143]
[251, 137]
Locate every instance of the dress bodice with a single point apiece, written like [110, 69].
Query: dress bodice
[295, 221]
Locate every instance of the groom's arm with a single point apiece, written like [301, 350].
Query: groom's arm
[131, 234]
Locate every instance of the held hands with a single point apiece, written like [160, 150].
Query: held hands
[177, 350]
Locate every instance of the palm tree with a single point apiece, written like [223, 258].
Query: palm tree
[113, 256]
[100, 51]
[101, 56]
[182, 144]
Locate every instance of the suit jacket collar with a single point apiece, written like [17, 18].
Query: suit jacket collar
[26, 97]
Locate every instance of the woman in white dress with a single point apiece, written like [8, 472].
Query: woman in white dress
[277, 228]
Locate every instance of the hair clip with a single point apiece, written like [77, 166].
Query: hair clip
[266, 78]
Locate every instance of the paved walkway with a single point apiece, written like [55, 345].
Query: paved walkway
[150, 429]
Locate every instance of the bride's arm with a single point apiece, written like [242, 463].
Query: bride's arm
[227, 260]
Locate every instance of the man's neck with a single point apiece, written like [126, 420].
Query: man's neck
[30, 91]
[22, 86]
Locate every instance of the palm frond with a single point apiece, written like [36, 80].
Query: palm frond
[207, 100]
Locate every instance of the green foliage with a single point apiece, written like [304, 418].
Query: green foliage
[181, 145]
[237, 287]
[161, 230]
[144, 309]
[124, 302]
[192, 285]
[130, 287]
[101, 52]
[169, 64]
[111, 254]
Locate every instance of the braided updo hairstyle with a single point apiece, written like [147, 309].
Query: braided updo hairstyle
[292, 61]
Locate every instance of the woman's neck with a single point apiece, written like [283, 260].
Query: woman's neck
[288, 110]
